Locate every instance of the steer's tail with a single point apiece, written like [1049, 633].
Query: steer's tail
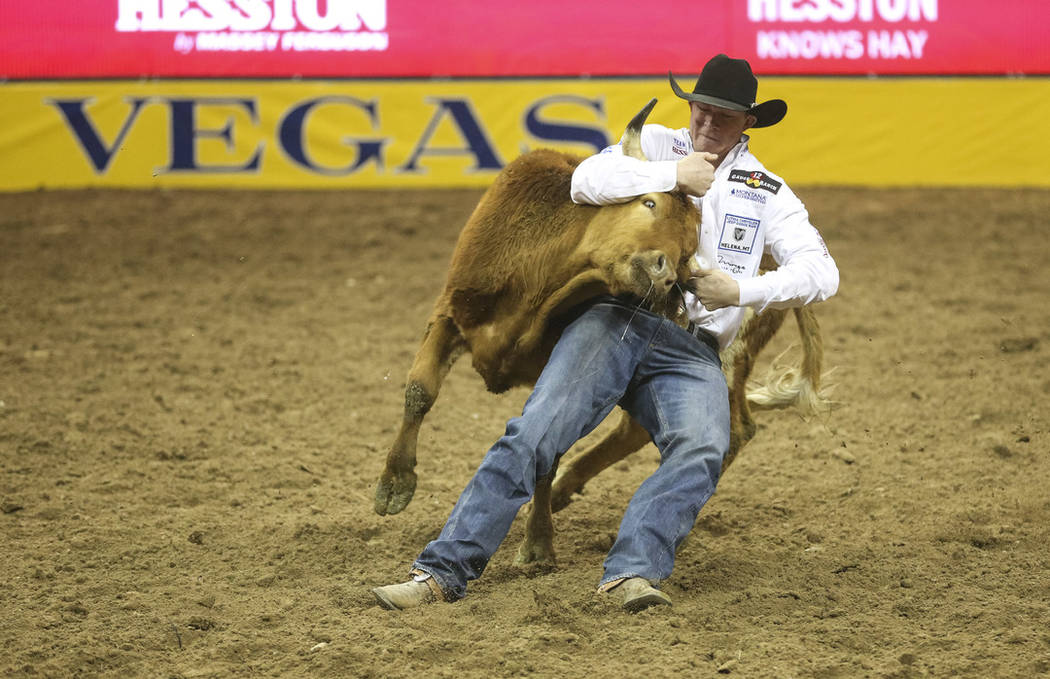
[786, 384]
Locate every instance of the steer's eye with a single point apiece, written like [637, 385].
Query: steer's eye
[649, 203]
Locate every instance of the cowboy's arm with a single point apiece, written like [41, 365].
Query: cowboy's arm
[610, 177]
[805, 273]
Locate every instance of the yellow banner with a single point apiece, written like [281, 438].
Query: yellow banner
[424, 133]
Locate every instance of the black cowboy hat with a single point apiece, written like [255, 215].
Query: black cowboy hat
[729, 83]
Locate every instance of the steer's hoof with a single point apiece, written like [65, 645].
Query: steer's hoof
[394, 492]
[534, 553]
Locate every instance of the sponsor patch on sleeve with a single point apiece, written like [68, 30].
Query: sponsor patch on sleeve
[756, 180]
[738, 234]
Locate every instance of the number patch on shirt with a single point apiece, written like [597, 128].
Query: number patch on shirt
[738, 234]
[756, 180]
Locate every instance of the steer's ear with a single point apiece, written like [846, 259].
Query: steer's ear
[632, 138]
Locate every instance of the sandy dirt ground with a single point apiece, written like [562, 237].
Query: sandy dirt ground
[197, 390]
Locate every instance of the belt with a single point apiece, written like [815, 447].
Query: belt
[693, 329]
[703, 335]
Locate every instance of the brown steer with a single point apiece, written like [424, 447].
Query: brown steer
[525, 259]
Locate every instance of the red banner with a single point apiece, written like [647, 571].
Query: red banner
[49, 39]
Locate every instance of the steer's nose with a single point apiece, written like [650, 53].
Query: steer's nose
[656, 265]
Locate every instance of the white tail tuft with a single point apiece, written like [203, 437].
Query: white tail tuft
[786, 385]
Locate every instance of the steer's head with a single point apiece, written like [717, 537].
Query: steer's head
[646, 245]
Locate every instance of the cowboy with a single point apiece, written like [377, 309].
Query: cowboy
[668, 378]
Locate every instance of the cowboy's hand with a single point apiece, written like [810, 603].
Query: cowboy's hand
[695, 173]
[714, 288]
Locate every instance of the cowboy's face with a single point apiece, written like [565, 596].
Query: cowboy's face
[715, 129]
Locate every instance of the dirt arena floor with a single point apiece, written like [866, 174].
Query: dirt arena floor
[197, 390]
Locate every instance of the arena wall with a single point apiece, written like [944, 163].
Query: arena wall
[910, 131]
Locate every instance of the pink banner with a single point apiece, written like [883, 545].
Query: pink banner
[465, 38]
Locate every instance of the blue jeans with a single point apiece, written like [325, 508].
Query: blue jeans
[668, 380]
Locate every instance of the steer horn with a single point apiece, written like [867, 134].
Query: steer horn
[632, 138]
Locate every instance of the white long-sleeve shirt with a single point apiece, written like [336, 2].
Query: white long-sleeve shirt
[747, 211]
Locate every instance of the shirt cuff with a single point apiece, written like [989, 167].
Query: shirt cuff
[752, 291]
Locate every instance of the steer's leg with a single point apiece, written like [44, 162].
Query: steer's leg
[442, 345]
[753, 337]
[538, 544]
[627, 437]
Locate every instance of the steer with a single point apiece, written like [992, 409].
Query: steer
[525, 260]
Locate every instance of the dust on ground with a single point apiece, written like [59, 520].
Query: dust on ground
[197, 390]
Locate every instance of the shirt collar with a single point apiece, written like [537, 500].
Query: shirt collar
[738, 150]
[734, 155]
